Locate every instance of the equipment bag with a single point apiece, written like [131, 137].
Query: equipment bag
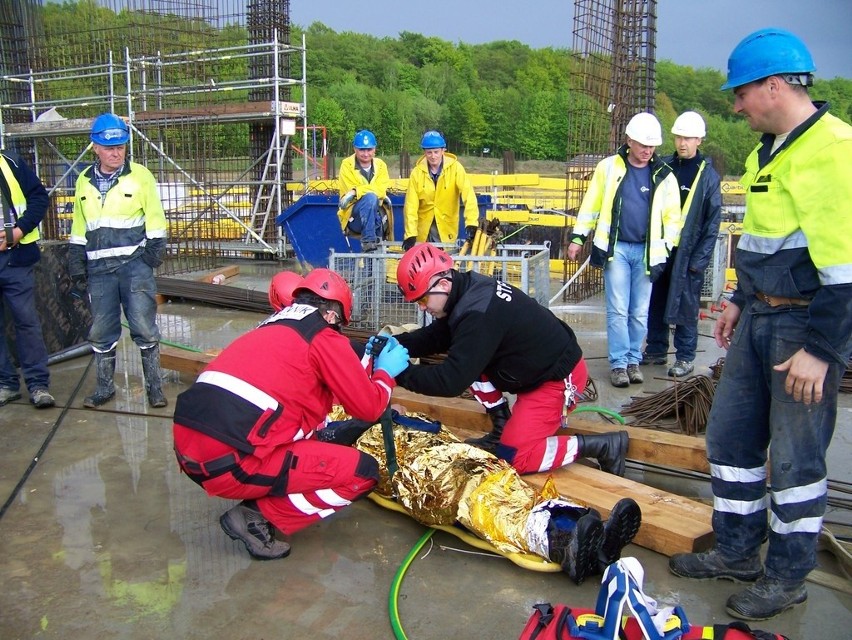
[621, 588]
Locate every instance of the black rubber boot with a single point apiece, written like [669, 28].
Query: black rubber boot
[577, 550]
[104, 376]
[153, 380]
[608, 449]
[499, 416]
[619, 531]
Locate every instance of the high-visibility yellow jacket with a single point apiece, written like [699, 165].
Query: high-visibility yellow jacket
[600, 212]
[351, 178]
[29, 202]
[797, 229]
[119, 227]
[426, 201]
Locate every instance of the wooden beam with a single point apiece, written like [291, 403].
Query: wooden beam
[191, 362]
[646, 445]
[226, 272]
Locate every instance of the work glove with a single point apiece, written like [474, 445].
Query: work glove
[347, 199]
[408, 243]
[373, 345]
[152, 257]
[392, 359]
[471, 232]
[79, 287]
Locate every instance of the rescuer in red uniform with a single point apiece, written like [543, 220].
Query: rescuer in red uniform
[246, 428]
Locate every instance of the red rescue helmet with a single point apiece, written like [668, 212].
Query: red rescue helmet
[281, 289]
[329, 285]
[416, 268]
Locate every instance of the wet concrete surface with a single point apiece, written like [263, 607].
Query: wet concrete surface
[102, 537]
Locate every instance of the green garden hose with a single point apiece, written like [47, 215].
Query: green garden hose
[393, 598]
[602, 410]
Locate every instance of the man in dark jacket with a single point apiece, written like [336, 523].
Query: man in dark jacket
[489, 327]
[24, 203]
[676, 295]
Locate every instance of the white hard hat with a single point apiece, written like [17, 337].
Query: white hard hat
[689, 125]
[645, 129]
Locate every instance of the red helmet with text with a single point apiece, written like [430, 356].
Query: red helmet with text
[416, 268]
[329, 285]
[281, 289]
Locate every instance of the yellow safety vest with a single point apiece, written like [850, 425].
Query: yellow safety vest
[19, 201]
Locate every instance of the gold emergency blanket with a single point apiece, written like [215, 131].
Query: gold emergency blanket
[442, 480]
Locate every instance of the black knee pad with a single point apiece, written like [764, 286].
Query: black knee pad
[368, 467]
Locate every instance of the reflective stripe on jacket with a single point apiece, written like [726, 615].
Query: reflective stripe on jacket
[426, 201]
[600, 212]
[115, 229]
[797, 229]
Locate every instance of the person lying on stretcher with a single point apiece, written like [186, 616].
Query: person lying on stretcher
[442, 481]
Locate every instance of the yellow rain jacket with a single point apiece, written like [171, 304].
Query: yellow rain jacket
[351, 178]
[426, 201]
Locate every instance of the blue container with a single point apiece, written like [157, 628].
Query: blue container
[313, 228]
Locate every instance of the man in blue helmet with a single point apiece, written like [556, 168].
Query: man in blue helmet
[436, 187]
[118, 237]
[363, 185]
[787, 332]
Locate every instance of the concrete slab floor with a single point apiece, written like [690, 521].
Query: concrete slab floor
[102, 537]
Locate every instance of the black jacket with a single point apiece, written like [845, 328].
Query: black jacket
[697, 242]
[495, 329]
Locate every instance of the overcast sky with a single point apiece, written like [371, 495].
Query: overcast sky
[698, 33]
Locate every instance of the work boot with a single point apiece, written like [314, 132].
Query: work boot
[576, 550]
[766, 598]
[653, 358]
[608, 449]
[499, 416]
[618, 378]
[42, 399]
[634, 374]
[8, 395]
[245, 523]
[619, 531]
[681, 368]
[104, 376]
[711, 565]
[153, 380]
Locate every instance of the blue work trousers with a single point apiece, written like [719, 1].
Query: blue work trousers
[685, 335]
[17, 294]
[367, 218]
[751, 416]
[628, 291]
[130, 287]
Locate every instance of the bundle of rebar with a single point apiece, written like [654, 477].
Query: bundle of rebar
[215, 294]
[686, 402]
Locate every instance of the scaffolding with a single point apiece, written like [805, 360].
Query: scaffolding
[207, 90]
[614, 59]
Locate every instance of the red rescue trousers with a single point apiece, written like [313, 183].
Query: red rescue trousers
[295, 485]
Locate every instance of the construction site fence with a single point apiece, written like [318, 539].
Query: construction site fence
[378, 302]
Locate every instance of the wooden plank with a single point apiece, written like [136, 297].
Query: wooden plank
[646, 445]
[226, 272]
[191, 362]
[670, 523]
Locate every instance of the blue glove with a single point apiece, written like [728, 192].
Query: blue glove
[372, 346]
[393, 359]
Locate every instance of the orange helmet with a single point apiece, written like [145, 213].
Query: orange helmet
[281, 289]
[417, 267]
[329, 285]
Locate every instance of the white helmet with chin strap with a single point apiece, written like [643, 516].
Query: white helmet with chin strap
[689, 124]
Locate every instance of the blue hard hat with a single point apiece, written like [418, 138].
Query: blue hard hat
[767, 52]
[433, 140]
[109, 130]
[364, 140]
